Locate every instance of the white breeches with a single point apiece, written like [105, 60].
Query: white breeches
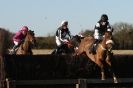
[97, 35]
[58, 42]
[16, 43]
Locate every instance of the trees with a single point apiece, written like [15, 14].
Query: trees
[5, 40]
[45, 42]
[123, 35]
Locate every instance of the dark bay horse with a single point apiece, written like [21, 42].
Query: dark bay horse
[103, 53]
[26, 47]
[70, 46]
[74, 43]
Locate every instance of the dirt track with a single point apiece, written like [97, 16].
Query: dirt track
[49, 51]
[42, 51]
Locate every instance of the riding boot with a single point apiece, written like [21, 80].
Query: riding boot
[92, 49]
[58, 50]
[14, 49]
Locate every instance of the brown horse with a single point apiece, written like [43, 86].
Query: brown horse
[26, 47]
[103, 52]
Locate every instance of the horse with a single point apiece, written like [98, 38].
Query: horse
[103, 53]
[26, 47]
[69, 47]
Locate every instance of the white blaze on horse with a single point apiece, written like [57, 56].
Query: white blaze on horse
[103, 53]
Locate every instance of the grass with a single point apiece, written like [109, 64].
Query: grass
[123, 52]
[49, 51]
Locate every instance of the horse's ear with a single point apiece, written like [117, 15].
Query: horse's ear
[31, 31]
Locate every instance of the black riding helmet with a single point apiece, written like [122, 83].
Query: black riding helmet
[104, 17]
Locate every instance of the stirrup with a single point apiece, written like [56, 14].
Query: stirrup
[92, 49]
[12, 52]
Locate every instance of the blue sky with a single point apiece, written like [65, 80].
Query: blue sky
[44, 16]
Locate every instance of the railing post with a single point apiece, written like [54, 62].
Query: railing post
[78, 83]
[7, 83]
[82, 83]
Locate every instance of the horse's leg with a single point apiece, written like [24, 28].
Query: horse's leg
[111, 69]
[91, 56]
[99, 62]
[30, 51]
[80, 50]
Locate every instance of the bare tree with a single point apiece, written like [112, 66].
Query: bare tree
[123, 33]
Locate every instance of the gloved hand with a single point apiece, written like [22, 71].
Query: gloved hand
[66, 41]
[22, 40]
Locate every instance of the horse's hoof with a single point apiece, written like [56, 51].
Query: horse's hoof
[103, 79]
[115, 80]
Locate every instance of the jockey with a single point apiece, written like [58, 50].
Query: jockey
[62, 35]
[19, 37]
[100, 28]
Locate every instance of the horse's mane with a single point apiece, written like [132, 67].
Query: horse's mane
[31, 32]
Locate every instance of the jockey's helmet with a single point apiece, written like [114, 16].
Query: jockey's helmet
[24, 28]
[64, 23]
[104, 17]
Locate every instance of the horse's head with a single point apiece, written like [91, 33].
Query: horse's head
[72, 43]
[76, 40]
[31, 37]
[108, 40]
[108, 35]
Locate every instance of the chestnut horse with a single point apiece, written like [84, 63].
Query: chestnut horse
[103, 52]
[26, 47]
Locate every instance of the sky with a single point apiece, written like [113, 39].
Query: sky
[45, 16]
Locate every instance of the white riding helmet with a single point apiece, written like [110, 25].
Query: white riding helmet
[64, 23]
